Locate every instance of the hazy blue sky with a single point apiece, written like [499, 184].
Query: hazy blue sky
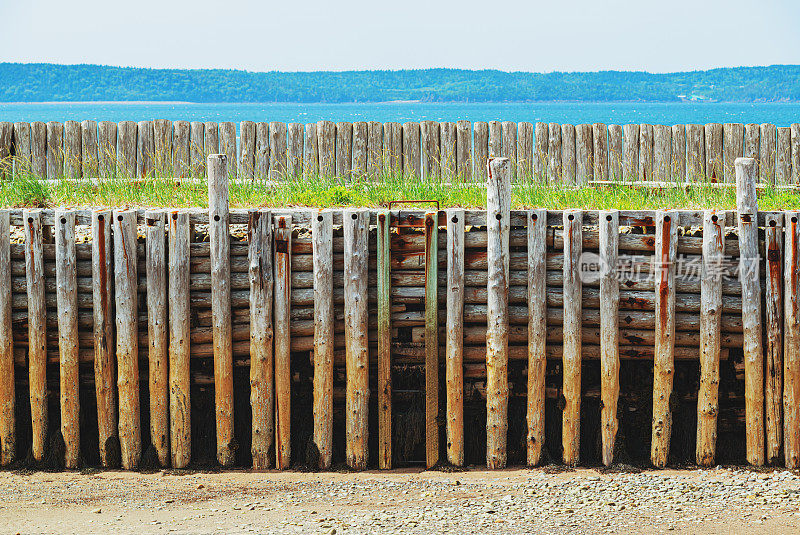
[649, 35]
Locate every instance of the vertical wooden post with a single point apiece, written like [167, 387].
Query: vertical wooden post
[645, 152]
[678, 152]
[773, 380]
[103, 330]
[573, 292]
[157, 333]
[210, 140]
[219, 236]
[89, 149]
[713, 150]
[310, 152]
[384, 342]
[326, 142]
[277, 150]
[179, 340]
[454, 360]
[282, 312]
[393, 149]
[22, 148]
[783, 156]
[37, 330]
[554, 153]
[695, 152]
[247, 149]
[261, 158]
[615, 154]
[791, 343]
[294, 150]
[609, 331]
[6, 135]
[795, 142]
[344, 149]
[259, 253]
[162, 147]
[447, 158]
[498, 224]
[72, 149]
[322, 243]
[747, 207]
[495, 139]
[630, 146]
[584, 168]
[710, 334]
[662, 152]
[55, 149]
[67, 302]
[751, 135]
[600, 141]
[126, 153]
[508, 132]
[733, 147]
[431, 339]
[766, 153]
[542, 141]
[429, 136]
[7, 395]
[39, 149]
[411, 148]
[125, 290]
[537, 331]
[227, 146]
[480, 135]
[197, 143]
[525, 151]
[356, 318]
[374, 150]
[144, 149]
[180, 157]
[360, 140]
[464, 150]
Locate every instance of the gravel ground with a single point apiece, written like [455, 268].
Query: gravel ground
[721, 500]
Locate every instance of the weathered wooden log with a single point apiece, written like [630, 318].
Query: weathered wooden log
[247, 149]
[6, 145]
[733, 147]
[773, 383]
[344, 149]
[498, 206]
[259, 238]
[278, 165]
[645, 152]
[162, 148]
[374, 149]
[662, 152]
[791, 342]
[7, 391]
[554, 153]
[39, 149]
[294, 150]
[210, 136]
[495, 139]
[766, 153]
[454, 364]
[584, 168]
[126, 304]
[751, 135]
[322, 235]
[356, 256]
[431, 340]
[714, 154]
[326, 143]
[630, 146]
[448, 160]
[126, 149]
[508, 134]
[282, 309]
[261, 162]
[227, 146]
[615, 154]
[678, 152]
[360, 140]
[145, 148]
[524, 151]
[72, 149]
[695, 152]
[393, 149]
[542, 141]
[710, 335]
[55, 148]
[537, 332]
[609, 332]
[37, 331]
[480, 134]
[89, 149]
[21, 148]
[180, 144]
[67, 301]
[795, 153]
[310, 151]
[429, 157]
[179, 340]
[783, 156]
[103, 330]
[384, 340]
[572, 290]
[157, 333]
[600, 151]
[747, 207]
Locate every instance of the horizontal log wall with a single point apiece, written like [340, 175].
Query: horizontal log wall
[441, 151]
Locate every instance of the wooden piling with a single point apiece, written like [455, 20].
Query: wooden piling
[344, 149]
[6, 144]
[89, 149]
[360, 140]
[7, 394]
[791, 342]
[219, 237]
[37, 330]
[454, 349]
[55, 149]
[795, 142]
[714, 155]
[310, 151]
[144, 149]
[678, 152]
[429, 158]
[384, 342]
[431, 339]
[747, 207]
[524, 151]
[356, 318]
[615, 154]
[495, 139]
[227, 146]
[537, 332]
[72, 149]
[662, 152]
[773, 383]
[103, 331]
[278, 165]
[498, 204]
[554, 153]
[180, 143]
[393, 149]
[750, 148]
[766, 153]
[294, 150]
[259, 257]
[322, 236]
[584, 168]
[448, 158]
[609, 332]
[261, 159]
[481, 146]
[464, 150]
[126, 149]
[710, 335]
[282, 278]
[630, 146]
[326, 144]
[541, 137]
[210, 141]
[600, 151]
[695, 152]
[733, 147]
[374, 150]
[646, 152]
[127, 322]
[162, 147]
[39, 149]
[22, 148]
[783, 156]
[571, 356]
[508, 133]
[179, 340]
[157, 333]
[247, 149]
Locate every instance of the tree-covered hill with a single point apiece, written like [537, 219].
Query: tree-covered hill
[48, 82]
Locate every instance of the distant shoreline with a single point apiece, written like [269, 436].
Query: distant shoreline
[372, 103]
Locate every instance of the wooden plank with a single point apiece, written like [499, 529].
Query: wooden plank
[6, 145]
[310, 151]
[710, 335]
[678, 152]
[733, 147]
[411, 150]
[429, 158]
[791, 342]
[384, 342]
[157, 333]
[480, 135]
[282, 312]
[180, 157]
[39, 149]
[572, 292]
[766, 153]
[584, 168]
[294, 150]
[322, 240]
[72, 149]
[464, 150]
[795, 165]
[344, 150]
[67, 303]
[537, 332]
[259, 257]
[508, 135]
[695, 152]
[525, 151]
[356, 319]
[89, 149]
[751, 137]
[773, 383]
[747, 208]
[498, 204]
[326, 141]
[374, 149]
[197, 143]
[609, 332]
[22, 148]
[7, 388]
[431, 339]
[454, 348]
[542, 141]
[600, 151]
[630, 147]
[227, 146]
[714, 155]
[127, 323]
[37, 330]
[554, 153]
[393, 149]
[247, 149]
[615, 154]
[261, 159]
[219, 238]
[360, 140]
[126, 149]
[210, 144]
[783, 156]
[145, 148]
[662, 152]
[55, 149]
[103, 333]
[179, 340]
[664, 361]
[162, 148]
[278, 165]
[646, 152]
[448, 159]
[495, 139]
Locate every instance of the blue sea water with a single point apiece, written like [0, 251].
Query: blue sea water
[780, 114]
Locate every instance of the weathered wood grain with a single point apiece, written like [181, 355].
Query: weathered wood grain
[72, 149]
[294, 150]
[584, 168]
[537, 332]
[261, 160]
[662, 152]
[282, 232]
[310, 151]
[360, 140]
[162, 147]
[480, 134]
[247, 149]
[714, 153]
[572, 291]
[39, 149]
[646, 151]
[554, 153]
[429, 158]
[615, 153]
[568, 153]
[630, 146]
[145, 150]
[542, 141]
[524, 151]
[454, 344]
[773, 376]
[8, 435]
[227, 146]
[791, 342]
[322, 236]
[384, 341]
[126, 149]
[278, 165]
[609, 332]
[55, 148]
[464, 150]
[733, 147]
[600, 151]
[766, 153]
[179, 339]
[431, 339]
[344, 149]
[678, 152]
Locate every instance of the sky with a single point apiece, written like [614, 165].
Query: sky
[565, 35]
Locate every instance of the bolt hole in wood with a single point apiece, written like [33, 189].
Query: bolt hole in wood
[119, 218]
[746, 218]
[714, 218]
[666, 219]
[101, 218]
[30, 220]
[64, 221]
[534, 217]
[609, 218]
[216, 218]
[455, 219]
[571, 217]
[794, 220]
[355, 216]
[174, 216]
[320, 218]
[498, 217]
[772, 223]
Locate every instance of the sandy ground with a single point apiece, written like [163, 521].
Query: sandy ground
[718, 500]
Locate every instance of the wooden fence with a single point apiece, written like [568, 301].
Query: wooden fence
[572, 154]
[273, 338]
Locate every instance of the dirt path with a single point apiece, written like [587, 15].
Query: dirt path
[511, 501]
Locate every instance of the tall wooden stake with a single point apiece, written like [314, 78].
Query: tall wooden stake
[609, 331]
[773, 384]
[37, 330]
[791, 342]
[537, 331]
[157, 333]
[282, 313]
[179, 340]
[7, 399]
[431, 339]
[571, 356]
[322, 236]
[384, 343]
